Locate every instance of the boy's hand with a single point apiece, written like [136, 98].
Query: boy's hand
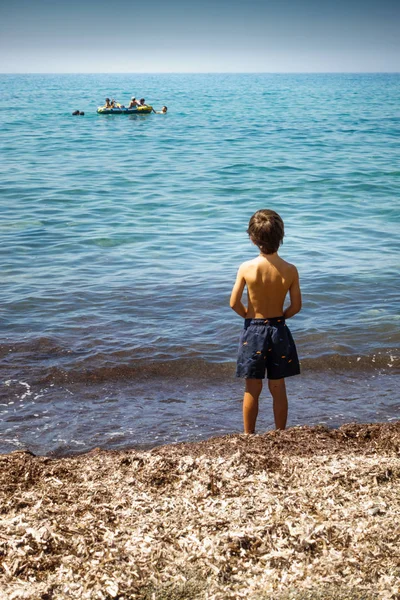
[236, 295]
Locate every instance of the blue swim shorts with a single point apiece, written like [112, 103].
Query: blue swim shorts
[267, 345]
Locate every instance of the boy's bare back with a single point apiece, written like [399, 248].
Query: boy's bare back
[268, 278]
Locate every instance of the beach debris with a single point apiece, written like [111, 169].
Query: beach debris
[307, 513]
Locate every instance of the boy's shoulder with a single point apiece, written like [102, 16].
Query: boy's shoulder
[287, 264]
[288, 269]
[248, 263]
[279, 262]
[256, 261]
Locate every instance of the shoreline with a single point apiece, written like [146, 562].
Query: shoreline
[308, 512]
[353, 432]
[143, 413]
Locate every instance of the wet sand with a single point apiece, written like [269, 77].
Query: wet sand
[305, 513]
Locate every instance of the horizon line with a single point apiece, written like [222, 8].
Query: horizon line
[202, 73]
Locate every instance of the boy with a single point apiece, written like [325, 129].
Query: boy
[266, 343]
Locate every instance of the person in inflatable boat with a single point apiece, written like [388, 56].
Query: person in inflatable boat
[115, 104]
[133, 103]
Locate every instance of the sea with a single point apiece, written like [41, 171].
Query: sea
[121, 236]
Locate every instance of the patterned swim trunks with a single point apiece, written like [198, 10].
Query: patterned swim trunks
[267, 345]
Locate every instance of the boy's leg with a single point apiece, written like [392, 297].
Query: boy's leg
[250, 404]
[277, 388]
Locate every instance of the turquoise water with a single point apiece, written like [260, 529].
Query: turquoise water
[121, 236]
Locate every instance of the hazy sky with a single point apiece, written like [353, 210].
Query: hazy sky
[39, 36]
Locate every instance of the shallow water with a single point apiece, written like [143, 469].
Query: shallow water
[121, 237]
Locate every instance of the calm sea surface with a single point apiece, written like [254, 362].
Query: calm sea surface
[120, 238]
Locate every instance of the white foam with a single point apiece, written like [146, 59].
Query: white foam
[23, 383]
[28, 389]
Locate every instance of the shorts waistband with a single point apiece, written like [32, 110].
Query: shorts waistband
[265, 322]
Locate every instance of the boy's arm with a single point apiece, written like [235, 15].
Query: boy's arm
[295, 297]
[236, 295]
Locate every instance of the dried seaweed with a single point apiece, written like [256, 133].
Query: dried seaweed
[308, 513]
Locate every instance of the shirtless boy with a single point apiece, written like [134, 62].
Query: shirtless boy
[266, 343]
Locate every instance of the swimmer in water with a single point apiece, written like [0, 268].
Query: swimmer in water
[161, 112]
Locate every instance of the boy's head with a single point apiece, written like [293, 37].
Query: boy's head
[266, 230]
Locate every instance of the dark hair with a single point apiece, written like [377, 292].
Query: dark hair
[266, 230]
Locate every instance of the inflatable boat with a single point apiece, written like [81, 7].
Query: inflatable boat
[138, 110]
